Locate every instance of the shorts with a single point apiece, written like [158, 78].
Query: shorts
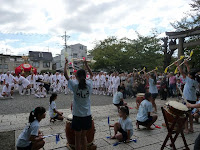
[121, 103]
[145, 123]
[124, 134]
[56, 117]
[81, 123]
[191, 102]
[154, 95]
[25, 148]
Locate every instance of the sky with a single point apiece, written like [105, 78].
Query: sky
[37, 25]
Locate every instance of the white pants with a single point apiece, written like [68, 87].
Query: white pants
[41, 95]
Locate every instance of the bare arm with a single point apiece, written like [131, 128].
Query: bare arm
[193, 105]
[88, 68]
[186, 64]
[181, 71]
[65, 69]
[128, 136]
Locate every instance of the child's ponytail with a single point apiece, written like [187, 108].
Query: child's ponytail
[52, 97]
[81, 75]
[31, 116]
[35, 113]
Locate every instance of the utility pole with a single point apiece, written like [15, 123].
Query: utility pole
[65, 37]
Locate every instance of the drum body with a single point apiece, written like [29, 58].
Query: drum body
[139, 99]
[172, 110]
[70, 133]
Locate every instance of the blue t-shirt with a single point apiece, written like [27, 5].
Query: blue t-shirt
[117, 97]
[32, 129]
[81, 102]
[144, 109]
[152, 87]
[126, 125]
[189, 90]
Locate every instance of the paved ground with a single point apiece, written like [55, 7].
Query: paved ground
[146, 140]
[24, 104]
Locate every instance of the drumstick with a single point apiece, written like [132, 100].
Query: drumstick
[131, 140]
[153, 70]
[109, 125]
[142, 70]
[176, 70]
[166, 69]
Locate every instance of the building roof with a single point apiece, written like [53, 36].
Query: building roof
[37, 56]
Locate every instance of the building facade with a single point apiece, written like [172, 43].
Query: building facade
[41, 60]
[9, 62]
[73, 52]
[56, 62]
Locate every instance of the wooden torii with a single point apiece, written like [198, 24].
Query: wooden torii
[181, 37]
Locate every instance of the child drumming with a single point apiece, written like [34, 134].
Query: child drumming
[118, 98]
[144, 117]
[196, 112]
[124, 126]
[82, 120]
[53, 113]
[189, 92]
[31, 138]
[153, 88]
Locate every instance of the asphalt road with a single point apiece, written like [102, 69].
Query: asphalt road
[24, 104]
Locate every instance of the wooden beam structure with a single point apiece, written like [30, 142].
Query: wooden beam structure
[185, 45]
[183, 34]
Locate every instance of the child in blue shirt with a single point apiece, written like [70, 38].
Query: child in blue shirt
[118, 98]
[124, 126]
[144, 117]
[31, 138]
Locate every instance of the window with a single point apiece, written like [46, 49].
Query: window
[36, 64]
[81, 47]
[46, 64]
[0, 66]
[40, 54]
[75, 55]
[5, 66]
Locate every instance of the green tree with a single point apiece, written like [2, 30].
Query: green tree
[124, 54]
[191, 21]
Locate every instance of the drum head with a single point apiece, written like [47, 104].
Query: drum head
[69, 117]
[177, 105]
[140, 94]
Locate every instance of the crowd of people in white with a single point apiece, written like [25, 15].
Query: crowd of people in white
[103, 84]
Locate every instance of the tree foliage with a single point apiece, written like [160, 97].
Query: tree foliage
[191, 21]
[124, 54]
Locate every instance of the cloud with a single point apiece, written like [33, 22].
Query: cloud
[89, 20]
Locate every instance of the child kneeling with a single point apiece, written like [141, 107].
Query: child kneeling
[144, 117]
[31, 138]
[53, 113]
[118, 98]
[124, 126]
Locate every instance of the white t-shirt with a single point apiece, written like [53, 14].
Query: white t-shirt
[152, 86]
[117, 97]
[144, 109]
[6, 89]
[52, 106]
[126, 125]
[81, 102]
[189, 90]
[8, 79]
[32, 129]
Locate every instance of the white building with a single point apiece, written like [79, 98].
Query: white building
[72, 52]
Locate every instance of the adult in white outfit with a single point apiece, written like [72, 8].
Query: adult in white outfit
[6, 91]
[41, 92]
